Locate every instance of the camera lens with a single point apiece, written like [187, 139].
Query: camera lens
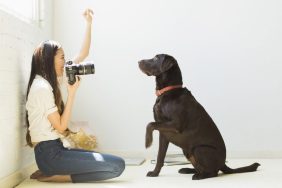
[86, 69]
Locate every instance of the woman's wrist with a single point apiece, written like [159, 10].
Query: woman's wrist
[71, 95]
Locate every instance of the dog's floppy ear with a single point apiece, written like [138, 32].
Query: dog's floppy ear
[167, 63]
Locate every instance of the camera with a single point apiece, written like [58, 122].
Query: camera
[82, 68]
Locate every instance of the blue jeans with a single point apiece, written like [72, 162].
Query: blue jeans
[53, 158]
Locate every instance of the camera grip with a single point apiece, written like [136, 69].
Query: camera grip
[71, 79]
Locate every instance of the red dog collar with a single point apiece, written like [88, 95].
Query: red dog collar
[161, 91]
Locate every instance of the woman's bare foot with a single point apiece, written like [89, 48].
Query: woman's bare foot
[44, 178]
[36, 174]
[55, 178]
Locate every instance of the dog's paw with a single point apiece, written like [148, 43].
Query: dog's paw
[149, 140]
[187, 171]
[149, 135]
[152, 174]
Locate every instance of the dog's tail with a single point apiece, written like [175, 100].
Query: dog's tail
[226, 170]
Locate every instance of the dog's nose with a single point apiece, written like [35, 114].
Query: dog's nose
[141, 61]
[141, 64]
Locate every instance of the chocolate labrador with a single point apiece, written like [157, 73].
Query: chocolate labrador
[183, 121]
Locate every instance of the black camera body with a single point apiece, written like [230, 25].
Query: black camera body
[73, 69]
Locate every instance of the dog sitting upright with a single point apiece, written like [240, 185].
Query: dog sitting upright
[181, 120]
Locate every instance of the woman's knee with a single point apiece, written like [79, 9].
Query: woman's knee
[118, 166]
[121, 166]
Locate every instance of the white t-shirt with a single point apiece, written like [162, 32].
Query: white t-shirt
[41, 103]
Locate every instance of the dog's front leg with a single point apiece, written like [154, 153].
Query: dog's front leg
[149, 134]
[163, 145]
[168, 126]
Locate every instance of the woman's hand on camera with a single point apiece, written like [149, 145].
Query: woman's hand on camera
[72, 88]
[88, 15]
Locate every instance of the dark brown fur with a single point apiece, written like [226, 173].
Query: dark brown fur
[181, 120]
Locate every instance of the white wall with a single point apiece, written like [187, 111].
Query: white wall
[229, 53]
[18, 40]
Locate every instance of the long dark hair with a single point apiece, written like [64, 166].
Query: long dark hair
[43, 64]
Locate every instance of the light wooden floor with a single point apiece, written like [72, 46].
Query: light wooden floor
[269, 174]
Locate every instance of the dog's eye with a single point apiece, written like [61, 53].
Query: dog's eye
[156, 58]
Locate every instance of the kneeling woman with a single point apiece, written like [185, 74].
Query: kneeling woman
[48, 118]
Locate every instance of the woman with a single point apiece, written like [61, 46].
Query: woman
[48, 118]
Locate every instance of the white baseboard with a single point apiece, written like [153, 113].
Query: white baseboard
[231, 154]
[17, 177]
[254, 154]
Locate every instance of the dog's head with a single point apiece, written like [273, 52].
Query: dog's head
[164, 67]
